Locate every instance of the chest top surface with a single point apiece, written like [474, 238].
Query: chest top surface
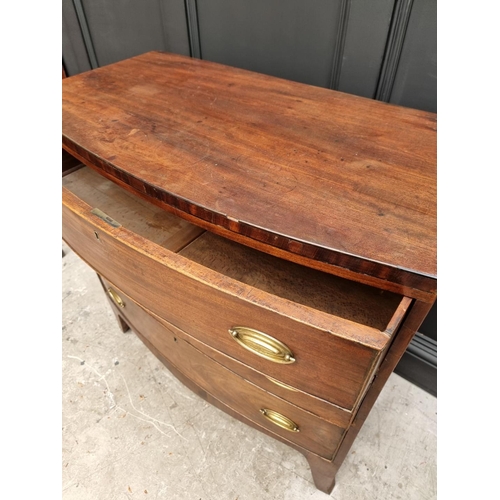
[318, 174]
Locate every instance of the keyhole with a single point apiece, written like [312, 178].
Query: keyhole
[96, 236]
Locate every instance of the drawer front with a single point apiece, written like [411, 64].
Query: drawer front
[327, 411]
[333, 358]
[273, 413]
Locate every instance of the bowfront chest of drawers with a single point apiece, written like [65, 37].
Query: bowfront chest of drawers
[272, 243]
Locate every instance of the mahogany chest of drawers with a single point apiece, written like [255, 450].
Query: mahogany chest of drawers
[273, 243]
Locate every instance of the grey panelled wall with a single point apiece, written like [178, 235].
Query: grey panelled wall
[126, 28]
[382, 49]
[111, 31]
[366, 38]
[73, 46]
[297, 43]
[415, 82]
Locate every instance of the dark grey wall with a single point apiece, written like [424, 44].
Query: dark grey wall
[74, 51]
[297, 43]
[415, 81]
[383, 49]
[126, 28]
[100, 32]
[367, 30]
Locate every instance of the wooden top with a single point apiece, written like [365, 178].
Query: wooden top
[317, 176]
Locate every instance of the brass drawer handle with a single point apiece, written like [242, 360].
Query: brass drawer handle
[262, 344]
[116, 298]
[281, 384]
[280, 420]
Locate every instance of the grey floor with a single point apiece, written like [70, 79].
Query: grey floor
[132, 431]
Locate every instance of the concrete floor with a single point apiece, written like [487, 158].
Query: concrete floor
[132, 431]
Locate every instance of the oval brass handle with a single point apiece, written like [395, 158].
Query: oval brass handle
[116, 298]
[279, 420]
[281, 384]
[262, 344]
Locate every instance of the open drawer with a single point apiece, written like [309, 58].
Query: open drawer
[314, 332]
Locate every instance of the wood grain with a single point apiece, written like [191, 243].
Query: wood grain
[334, 356]
[340, 297]
[343, 298]
[323, 409]
[316, 435]
[137, 215]
[337, 183]
[318, 174]
[321, 468]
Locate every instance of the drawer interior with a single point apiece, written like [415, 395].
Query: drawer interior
[127, 210]
[340, 297]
